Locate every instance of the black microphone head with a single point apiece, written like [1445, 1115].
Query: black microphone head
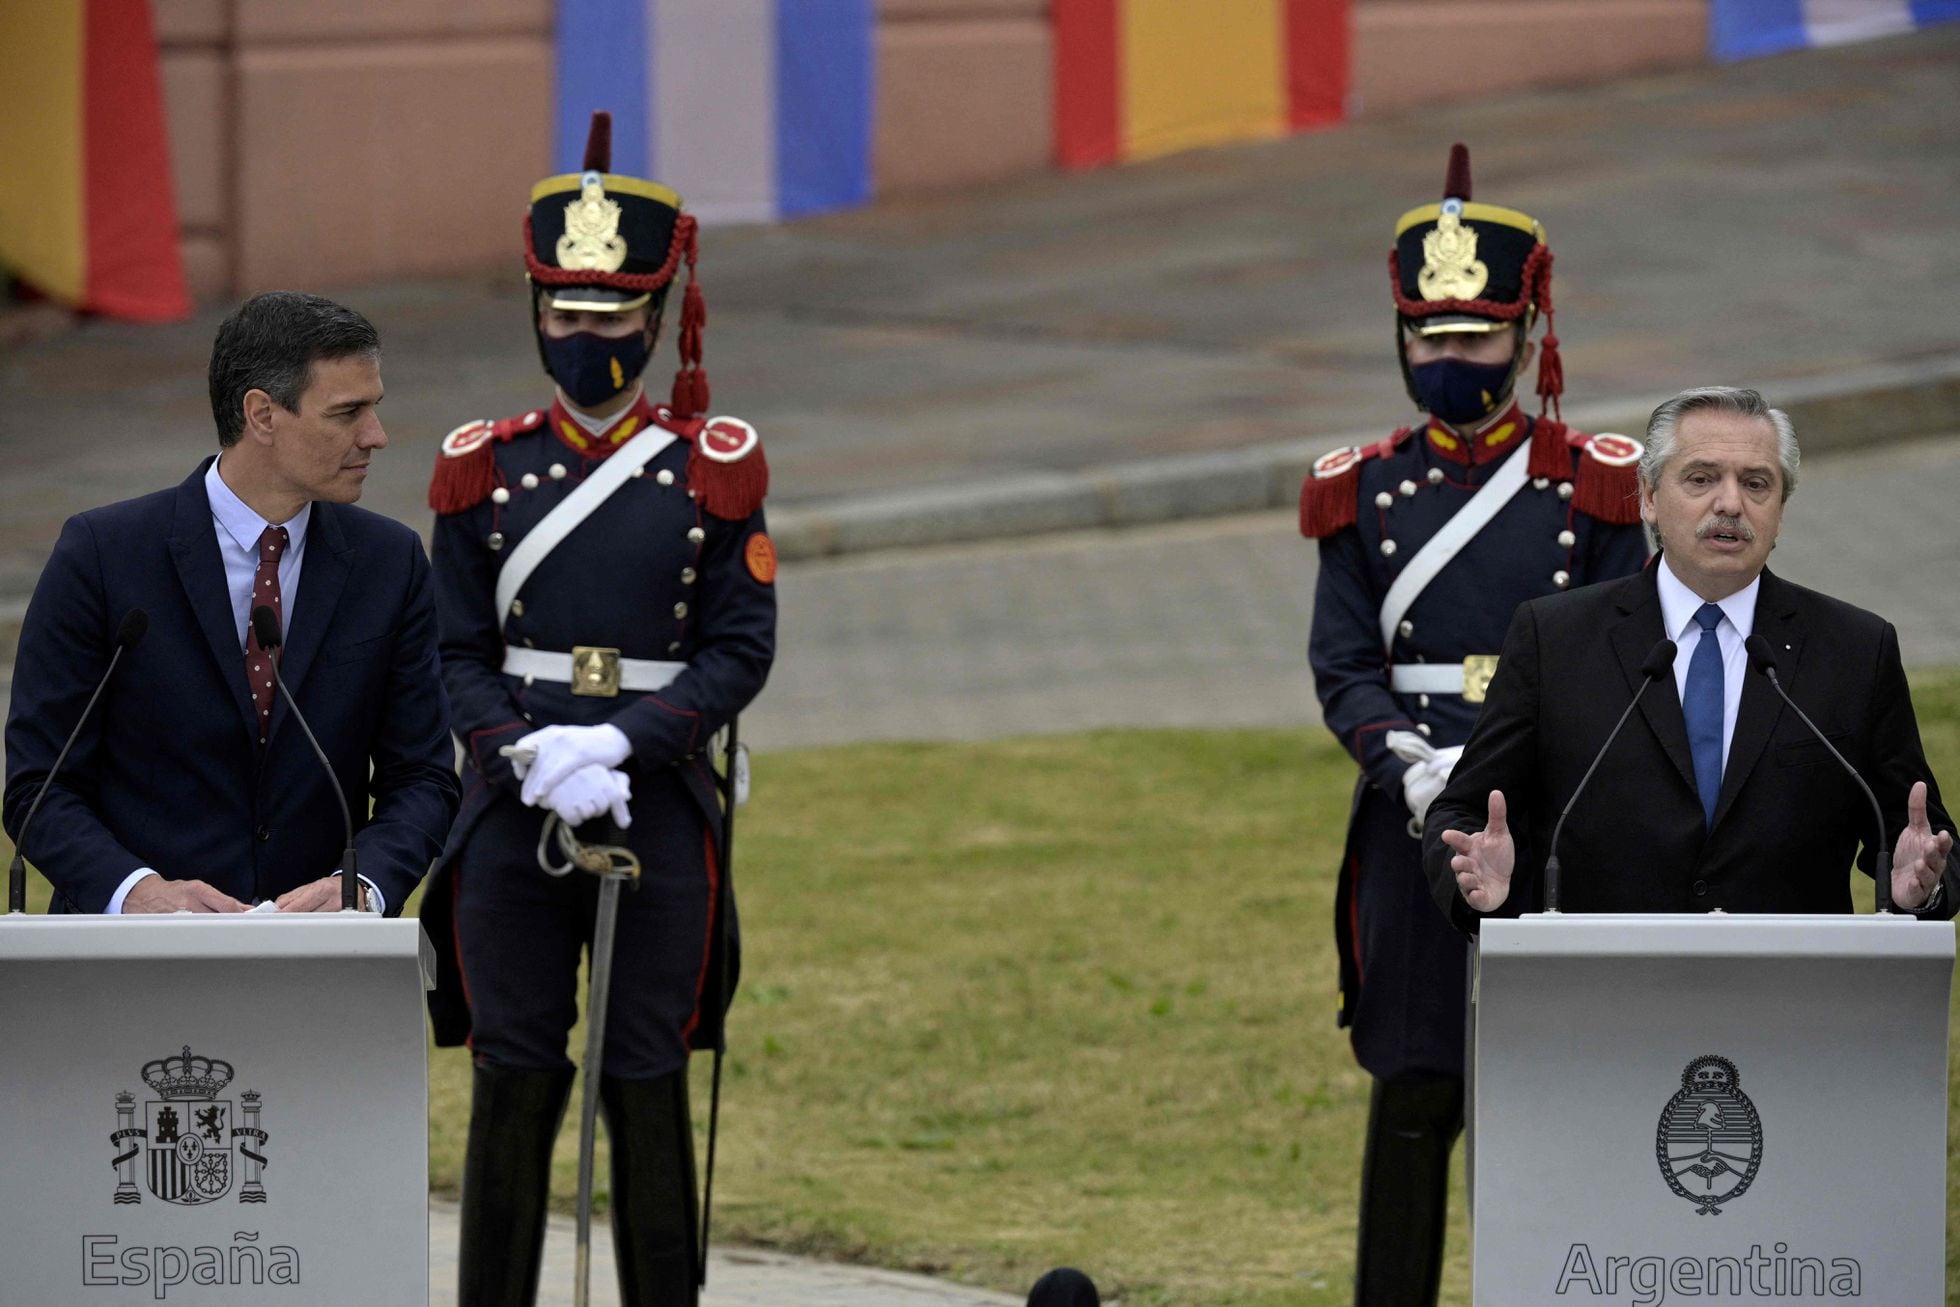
[265, 625]
[1659, 662]
[1064, 1287]
[1760, 657]
[134, 623]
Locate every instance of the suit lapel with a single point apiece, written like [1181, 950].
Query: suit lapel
[1755, 717]
[1633, 637]
[322, 577]
[194, 550]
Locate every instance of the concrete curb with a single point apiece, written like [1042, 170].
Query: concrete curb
[1872, 405]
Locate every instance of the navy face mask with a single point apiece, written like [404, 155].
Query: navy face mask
[1460, 392]
[592, 369]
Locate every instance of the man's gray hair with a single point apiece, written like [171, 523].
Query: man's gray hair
[1718, 399]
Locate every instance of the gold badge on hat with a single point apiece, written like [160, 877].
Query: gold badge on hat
[591, 240]
[1450, 267]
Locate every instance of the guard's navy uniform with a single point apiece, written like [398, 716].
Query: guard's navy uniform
[655, 575]
[1385, 662]
[1402, 963]
[617, 584]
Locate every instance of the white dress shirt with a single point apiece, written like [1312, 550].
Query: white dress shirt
[238, 527]
[1679, 605]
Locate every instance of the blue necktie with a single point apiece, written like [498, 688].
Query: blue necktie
[1702, 706]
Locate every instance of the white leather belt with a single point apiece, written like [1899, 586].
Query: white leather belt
[634, 673]
[1415, 678]
[1469, 678]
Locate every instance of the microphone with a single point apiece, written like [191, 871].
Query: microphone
[265, 625]
[1762, 660]
[134, 623]
[1658, 663]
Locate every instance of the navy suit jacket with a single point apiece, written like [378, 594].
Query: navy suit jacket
[1788, 823]
[168, 772]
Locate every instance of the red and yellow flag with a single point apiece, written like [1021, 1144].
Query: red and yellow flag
[1138, 78]
[86, 214]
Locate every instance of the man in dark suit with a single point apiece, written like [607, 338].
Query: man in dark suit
[1715, 796]
[191, 787]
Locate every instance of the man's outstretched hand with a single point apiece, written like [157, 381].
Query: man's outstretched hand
[1919, 858]
[1483, 861]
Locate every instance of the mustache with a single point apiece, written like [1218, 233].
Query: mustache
[1734, 526]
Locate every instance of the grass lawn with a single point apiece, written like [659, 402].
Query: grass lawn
[1053, 1000]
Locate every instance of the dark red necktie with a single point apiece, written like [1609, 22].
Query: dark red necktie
[265, 593]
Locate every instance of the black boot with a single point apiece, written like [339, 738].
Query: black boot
[653, 1205]
[514, 1118]
[1413, 1122]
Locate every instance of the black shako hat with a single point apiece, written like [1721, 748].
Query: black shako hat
[1461, 266]
[603, 242]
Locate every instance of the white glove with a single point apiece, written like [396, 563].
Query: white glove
[562, 750]
[590, 791]
[1421, 784]
[1429, 770]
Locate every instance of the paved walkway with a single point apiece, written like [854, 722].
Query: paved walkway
[1205, 623]
[1783, 222]
[737, 1277]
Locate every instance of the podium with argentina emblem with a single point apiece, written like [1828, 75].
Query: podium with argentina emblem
[1727, 1107]
[214, 1109]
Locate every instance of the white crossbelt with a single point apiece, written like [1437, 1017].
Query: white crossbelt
[573, 509]
[641, 674]
[1445, 544]
[1426, 678]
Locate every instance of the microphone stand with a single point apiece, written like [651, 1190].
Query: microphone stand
[265, 625]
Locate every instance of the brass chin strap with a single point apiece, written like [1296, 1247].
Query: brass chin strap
[611, 861]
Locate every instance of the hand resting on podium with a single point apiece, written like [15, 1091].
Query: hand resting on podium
[1483, 862]
[155, 894]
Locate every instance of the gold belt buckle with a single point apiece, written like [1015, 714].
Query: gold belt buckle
[595, 671]
[1477, 671]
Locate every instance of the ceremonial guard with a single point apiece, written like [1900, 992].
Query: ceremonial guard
[604, 586]
[1428, 540]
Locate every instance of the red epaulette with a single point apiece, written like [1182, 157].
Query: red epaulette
[1330, 496]
[1606, 481]
[1607, 487]
[466, 469]
[726, 468]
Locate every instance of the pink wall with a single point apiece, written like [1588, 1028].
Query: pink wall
[347, 140]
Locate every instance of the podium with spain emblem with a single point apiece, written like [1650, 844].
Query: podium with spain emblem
[1718, 1106]
[214, 1109]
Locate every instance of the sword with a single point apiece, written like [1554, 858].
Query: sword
[612, 864]
[729, 786]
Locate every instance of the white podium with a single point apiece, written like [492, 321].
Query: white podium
[214, 1110]
[1726, 1108]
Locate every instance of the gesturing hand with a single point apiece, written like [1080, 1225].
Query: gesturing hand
[1919, 858]
[1483, 861]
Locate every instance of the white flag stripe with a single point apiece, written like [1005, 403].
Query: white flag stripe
[1836, 22]
[713, 105]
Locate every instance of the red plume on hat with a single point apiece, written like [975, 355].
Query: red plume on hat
[598, 142]
[1457, 184]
